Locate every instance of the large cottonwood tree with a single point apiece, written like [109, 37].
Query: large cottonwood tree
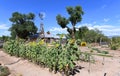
[22, 25]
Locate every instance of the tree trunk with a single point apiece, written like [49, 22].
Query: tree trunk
[73, 32]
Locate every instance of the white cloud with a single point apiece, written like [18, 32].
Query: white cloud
[106, 19]
[56, 30]
[108, 30]
[5, 33]
[4, 30]
[3, 27]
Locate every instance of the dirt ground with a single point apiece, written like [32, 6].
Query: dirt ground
[20, 67]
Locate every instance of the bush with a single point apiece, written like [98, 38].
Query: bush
[4, 71]
[115, 43]
[13, 46]
[105, 52]
[113, 47]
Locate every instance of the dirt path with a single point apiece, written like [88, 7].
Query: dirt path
[25, 68]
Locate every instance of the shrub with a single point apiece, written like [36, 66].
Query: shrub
[4, 71]
[113, 47]
[13, 46]
[105, 52]
[115, 43]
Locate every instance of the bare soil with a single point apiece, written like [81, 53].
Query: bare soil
[22, 67]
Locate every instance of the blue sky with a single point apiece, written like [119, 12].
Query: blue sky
[101, 14]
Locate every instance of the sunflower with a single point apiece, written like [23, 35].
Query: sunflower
[83, 43]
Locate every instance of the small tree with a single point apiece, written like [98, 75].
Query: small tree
[5, 38]
[81, 33]
[91, 36]
[22, 25]
[75, 17]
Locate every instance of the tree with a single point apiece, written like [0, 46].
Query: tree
[4, 38]
[96, 36]
[75, 17]
[81, 33]
[91, 36]
[22, 25]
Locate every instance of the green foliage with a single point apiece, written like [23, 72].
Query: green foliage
[62, 21]
[81, 33]
[103, 55]
[95, 36]
[85, 56]
[105, 52]
[78, 41]
[75, 14]
[13, 46]
[58, 58]
[4, 38]
[75, 17]
[4, 71]
[90, 36]
[113, 46]
[115, 43]
[96, 49]
[99, 51]
[22, 25]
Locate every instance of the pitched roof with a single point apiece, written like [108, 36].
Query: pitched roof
[46, 36]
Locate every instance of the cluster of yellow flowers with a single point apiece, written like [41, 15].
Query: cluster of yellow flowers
[32, 43]
[71, 41]
[41, 42]
[57, 45]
